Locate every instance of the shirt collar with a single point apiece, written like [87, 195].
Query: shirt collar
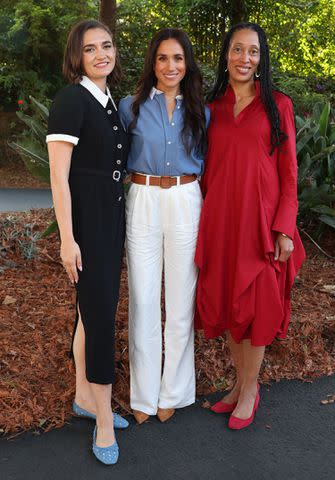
[96, 92]
[154, 91]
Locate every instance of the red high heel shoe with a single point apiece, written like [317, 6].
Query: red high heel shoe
[221, 407]
[236, 423]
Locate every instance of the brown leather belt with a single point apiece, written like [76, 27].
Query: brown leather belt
[163, 182]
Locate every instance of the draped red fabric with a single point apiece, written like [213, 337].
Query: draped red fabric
[249, 196]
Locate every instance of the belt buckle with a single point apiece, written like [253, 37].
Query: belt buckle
[116, 175]
[165, 182]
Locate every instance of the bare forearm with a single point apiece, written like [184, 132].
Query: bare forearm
[62, 203]
[60, 154]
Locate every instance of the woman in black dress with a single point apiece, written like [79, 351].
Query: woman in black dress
[87, 152]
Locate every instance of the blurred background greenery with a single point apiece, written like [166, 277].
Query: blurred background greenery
[300, 32]
[302, 45]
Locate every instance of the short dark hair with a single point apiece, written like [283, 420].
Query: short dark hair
[72, 63]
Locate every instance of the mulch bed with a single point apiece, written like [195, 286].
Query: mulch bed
[14, 174]
[36, 322]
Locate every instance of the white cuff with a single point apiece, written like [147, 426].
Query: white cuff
[60, 137]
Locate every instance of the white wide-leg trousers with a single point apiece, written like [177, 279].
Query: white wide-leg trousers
[162, 227]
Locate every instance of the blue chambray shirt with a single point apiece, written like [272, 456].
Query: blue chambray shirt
[156, 147]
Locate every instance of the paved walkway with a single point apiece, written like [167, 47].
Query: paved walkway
[292, 438]
[15, 199]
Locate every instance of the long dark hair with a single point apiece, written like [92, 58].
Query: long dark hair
[194, 129]
[72, 63]
[266, 86]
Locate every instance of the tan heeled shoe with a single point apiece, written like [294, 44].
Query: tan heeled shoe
[165, 413]
[140, 417]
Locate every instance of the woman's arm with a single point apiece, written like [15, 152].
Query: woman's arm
[125, 112]
[285, 220]
[60, 161]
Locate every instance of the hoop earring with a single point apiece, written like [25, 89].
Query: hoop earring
[257, 74]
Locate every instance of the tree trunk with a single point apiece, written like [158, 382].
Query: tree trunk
[238, 12]
[107, 14]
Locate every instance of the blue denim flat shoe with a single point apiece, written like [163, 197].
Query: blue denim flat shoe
[119, 422]
[81, 412]
[107, 455]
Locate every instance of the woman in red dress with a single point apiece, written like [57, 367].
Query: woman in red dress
[248, 250]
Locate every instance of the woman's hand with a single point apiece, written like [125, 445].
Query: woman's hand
[283, 247]
[71, 258]
[60, 161]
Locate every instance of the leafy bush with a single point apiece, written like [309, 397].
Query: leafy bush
[30, 145]
[19, 84]
[316, 160]
[32, 38]
[304, 92]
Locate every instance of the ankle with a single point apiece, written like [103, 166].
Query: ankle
[238, 384]
[105, 416]
[105, 424]
[84, 396]
[249, 384]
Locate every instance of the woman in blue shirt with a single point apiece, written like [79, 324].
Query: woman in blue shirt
[166, 119]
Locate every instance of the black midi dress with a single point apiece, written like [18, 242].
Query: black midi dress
[95, 179]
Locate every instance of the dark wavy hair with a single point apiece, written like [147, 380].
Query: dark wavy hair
[266, 86]
[194, 129]
[72, 64]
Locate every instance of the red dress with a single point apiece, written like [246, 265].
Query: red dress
[249, 196]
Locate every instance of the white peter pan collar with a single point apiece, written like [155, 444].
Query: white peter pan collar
[154, 91]
[96, 92]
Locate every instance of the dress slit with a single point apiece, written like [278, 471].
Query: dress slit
[76, 320]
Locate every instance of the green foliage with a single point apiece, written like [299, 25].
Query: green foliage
[52, 228]
[16, 84]
[32, 38]
[208, 75]
[303, 94]
[31, 143]
[31, 147]
[33, 34]
[301, 34]
[316, 160]
[26, 239]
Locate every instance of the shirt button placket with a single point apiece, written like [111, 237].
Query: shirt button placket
[118, 150]
[169, 133]
[172, 148]
[169, 156]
